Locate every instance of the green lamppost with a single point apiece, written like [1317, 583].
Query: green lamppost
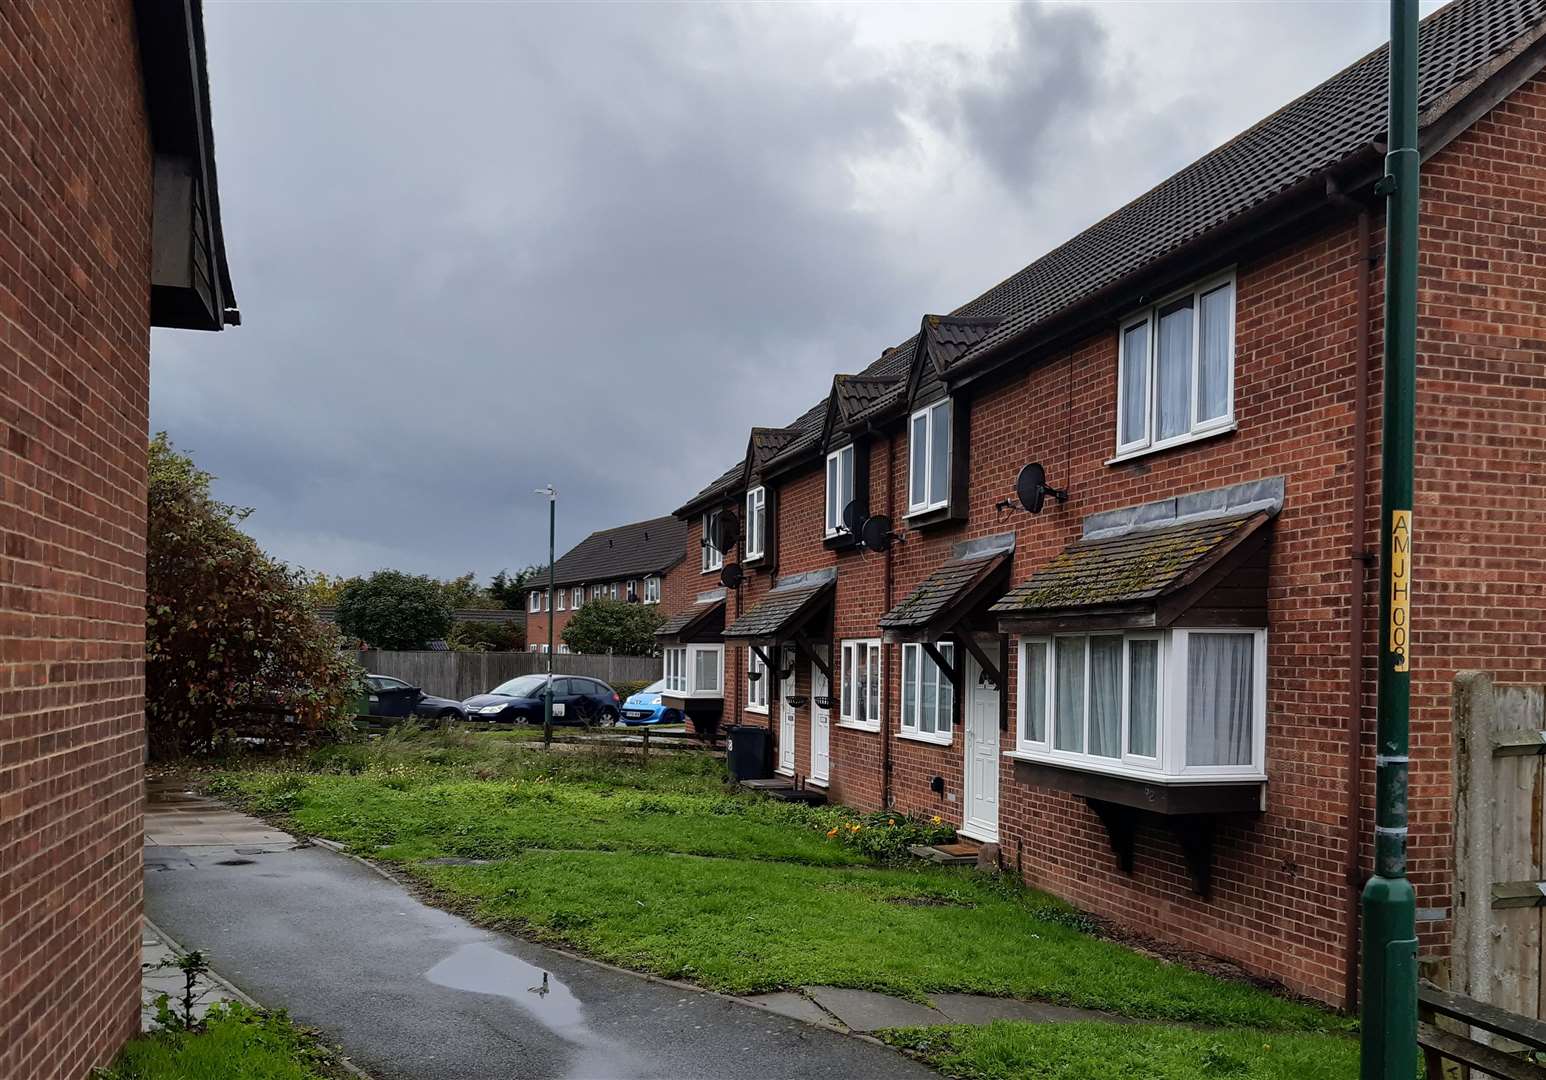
[547, 692]
[1389, 902]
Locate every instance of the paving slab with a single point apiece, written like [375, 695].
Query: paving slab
[798, 1006]
[158, 976]
[865, 1010]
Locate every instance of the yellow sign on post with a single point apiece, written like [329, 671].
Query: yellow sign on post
[1401, 588]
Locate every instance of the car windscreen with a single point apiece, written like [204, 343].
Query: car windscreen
[656, 687]
[521, 686]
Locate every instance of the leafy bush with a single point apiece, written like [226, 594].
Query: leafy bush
[887, 837]
[393, 610]
[629, 687]
[231, 641]
[614, 626]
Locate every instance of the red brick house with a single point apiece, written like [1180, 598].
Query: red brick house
[640, 562]
[1156, 694]
[109, 224]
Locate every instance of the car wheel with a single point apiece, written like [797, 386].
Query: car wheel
[608, 717]
[449, 716]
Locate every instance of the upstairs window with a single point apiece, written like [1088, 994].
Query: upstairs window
[1178, 703]
[578, 599]
[652, 590]
[632, 592]
[840, 487]
[928, 485]
[562, 597]
[756, 683]
[756, 521]
[1176, 369]
[859, 704]
[928, 698]
[713, 558]
[534, 603]
[612, 590]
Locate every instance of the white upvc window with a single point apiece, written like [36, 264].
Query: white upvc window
[859, 700]
[563, 597]
[757, 678]
[756, 521]
[713, 558]
[694, 670]
[840, 487]
[652, 590]
[928, 441]
[1176, 368]
[534, 603]
[577, 600]
[612, 590]
[632, 592]
[1178, 703]
[928, 698]
[563, 648]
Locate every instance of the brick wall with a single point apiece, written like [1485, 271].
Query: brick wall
[74, 383]
[1479, 580]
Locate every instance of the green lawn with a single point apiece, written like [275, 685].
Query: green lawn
[661, 869]
[1022, 1051]
[238, 1044]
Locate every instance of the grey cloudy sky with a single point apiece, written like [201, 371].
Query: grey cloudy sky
[481, 246]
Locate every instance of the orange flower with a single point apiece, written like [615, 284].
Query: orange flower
[832, 832]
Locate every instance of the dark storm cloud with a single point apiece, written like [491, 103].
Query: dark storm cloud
[483, 247]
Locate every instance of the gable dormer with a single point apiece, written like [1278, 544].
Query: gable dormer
[854, 402]
[759, 509]
[938, 420]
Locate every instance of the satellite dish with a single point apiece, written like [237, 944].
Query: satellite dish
[1032, 489]
[727, 531]
[876, 534]
[853, 517]
[731, 575]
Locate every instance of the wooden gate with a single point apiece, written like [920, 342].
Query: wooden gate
[1500, 882]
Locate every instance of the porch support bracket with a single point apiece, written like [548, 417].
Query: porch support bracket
[951, 673]
[989, 667]
[803, 644]
[1121, 824]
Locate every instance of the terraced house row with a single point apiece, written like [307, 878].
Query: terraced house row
[1146, 671]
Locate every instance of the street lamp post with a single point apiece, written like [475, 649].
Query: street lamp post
[547, 693]
[1389, 1050]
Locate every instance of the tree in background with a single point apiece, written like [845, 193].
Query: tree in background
[393, 610]
[323, 590]
[477, 636]
[614, 626]
[230, 633]
[464, 593]
[510, 589]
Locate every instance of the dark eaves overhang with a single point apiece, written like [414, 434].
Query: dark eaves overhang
[1320, 197]
[190, 277]
[703, 622]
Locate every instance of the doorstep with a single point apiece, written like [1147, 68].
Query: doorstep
[784, 789]
[960, 853]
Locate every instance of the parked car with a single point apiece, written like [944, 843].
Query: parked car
[646, 707]
[576, 700]
[393, 697]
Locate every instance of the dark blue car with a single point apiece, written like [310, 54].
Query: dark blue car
[393, 697]
[576, 700]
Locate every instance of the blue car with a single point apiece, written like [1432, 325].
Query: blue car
[576, 700]
[645, 707]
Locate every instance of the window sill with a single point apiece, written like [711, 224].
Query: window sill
[711, 570]
[754, 710]
[840, 541]
[850, 725]
[1159, 793]
[934, 515]
[1186, 440]
[1135, 772]
[931, 740]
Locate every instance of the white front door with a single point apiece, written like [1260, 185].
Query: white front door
[980, 814]
[821, 722]
[786, 714]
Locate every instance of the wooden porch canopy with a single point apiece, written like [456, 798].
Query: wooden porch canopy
[1209, 570]
[797, 608]
[703, 622]
[954, 602]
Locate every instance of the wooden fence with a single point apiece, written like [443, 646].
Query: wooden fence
[459, 675]
[1500, 887]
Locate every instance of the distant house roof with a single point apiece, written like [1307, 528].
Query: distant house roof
[329, 613]
[636, 550]
[1470, 52]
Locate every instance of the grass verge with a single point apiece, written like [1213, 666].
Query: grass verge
[660, 868]
[1010, 1050]
[237, 1043]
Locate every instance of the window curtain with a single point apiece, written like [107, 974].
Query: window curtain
[1135, 384]
[1034, 720]
[1106, 697]
[910, 686]
[1068, 721]
[1214, 355]
[1142, 696]
[706, 675]
[928, 694]
[1174, 377]
[1219, 699]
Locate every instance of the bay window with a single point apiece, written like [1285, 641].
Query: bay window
[928, 440]
[840, 487]
[694, 670]
[756, 683]
[859, 702]
[1176, 369]
[756, 521]
[1178, 703]
[928, 698]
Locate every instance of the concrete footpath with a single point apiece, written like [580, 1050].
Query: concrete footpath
[414, 993]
